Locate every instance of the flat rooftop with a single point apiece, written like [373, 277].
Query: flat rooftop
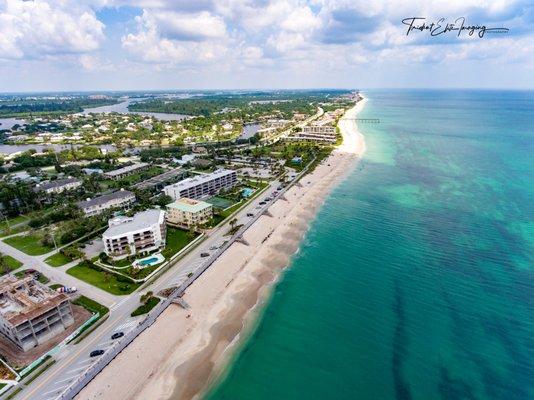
[197, 180]
[25, 298]
[126, 170]
[189, 205]
[158, 179]
[142, 220]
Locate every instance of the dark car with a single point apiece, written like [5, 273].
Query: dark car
[117, 335]
[279, 188]
[262, 203]
[204, 254]
[96, 353]
[250, 215]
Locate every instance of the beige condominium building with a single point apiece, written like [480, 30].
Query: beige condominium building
[142, 233]
[189, 212]
[31, 313]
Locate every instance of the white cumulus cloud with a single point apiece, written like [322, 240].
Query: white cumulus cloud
[40, 28]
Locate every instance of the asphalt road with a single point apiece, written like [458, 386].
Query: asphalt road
[73, 360]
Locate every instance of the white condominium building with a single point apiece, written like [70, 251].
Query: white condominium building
[142, 233]
[203, 185]
[120, 199]
[189, 212]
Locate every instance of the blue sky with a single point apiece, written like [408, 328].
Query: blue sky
[204, 44]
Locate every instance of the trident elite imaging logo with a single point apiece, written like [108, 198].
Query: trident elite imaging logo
[459, 26]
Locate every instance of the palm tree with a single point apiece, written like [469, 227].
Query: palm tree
[233, 222]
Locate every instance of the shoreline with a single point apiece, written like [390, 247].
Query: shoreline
[186, 351]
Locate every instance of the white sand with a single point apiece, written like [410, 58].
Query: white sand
[180, 355]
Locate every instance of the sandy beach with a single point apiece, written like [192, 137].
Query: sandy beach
[183, 352]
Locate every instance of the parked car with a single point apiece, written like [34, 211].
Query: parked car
[96, 353]
[117, 335]
[214, 247]
[279, 188]
[204, 254]
[250, 215]
[262, 203]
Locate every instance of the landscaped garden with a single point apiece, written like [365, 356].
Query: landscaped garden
[149, 302]
[96, 276]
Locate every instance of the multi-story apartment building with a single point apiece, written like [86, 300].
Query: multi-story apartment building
[142, 233]
[58, 186]
[202, 185]
[125, 171]
[32, 313]
[189, 212]
[119, 199]
[320, 133]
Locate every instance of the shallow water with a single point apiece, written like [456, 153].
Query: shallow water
[415, 280]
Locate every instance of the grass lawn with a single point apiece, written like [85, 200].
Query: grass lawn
[57, 260]
[12, 221]
[41, 278]
[28, 244]
[145, 308]
[91, 305]
[12, 263]
[177, 239]
[55, 286]
[230, 210]
[101, 279]
[17, 229]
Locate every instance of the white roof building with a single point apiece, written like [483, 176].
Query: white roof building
[142, 233]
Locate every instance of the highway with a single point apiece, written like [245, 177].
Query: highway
[74, 360]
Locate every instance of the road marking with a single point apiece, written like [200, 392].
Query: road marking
[125, 325]
[55, 390]
[78, 369]
[117, 305]
[68, 379]
[88, 360]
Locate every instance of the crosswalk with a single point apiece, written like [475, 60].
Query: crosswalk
[57, 387]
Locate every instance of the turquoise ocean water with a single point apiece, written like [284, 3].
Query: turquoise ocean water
[416, 280]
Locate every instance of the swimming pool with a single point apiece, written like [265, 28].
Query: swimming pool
[148, 261]
[247, 192]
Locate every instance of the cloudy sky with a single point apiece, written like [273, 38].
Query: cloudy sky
[206, 44]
